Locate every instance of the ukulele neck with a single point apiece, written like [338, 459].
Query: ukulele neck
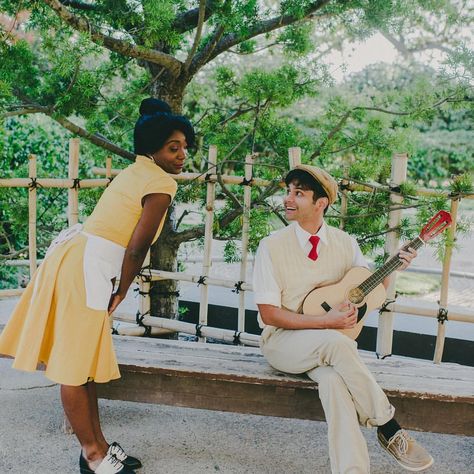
[387, 268]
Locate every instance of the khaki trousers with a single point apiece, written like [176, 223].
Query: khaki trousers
[348, 391]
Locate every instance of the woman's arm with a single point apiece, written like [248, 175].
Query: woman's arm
[154, 208]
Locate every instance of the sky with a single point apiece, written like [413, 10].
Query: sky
[358, 55]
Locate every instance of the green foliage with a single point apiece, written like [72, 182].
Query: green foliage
[249, 106]
[461, 184]
[237, 16]
[296, 39]
[159, 17]
[408, 189]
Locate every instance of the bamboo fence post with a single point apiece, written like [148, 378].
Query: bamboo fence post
[108, 175]
[73, 217]
[209, 222]
[443, 298]
[245, 239]
[294, 156]
[32, 201]
[144, 301]
[108, 167]
[73, 173]
[344, 184]
[385, 329]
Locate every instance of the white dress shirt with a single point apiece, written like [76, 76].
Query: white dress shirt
[265, 287]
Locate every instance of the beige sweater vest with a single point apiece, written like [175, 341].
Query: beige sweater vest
[297, 274]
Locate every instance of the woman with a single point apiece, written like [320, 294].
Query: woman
[62, 318]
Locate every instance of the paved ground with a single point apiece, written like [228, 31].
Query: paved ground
[181, 440]
[173, 440]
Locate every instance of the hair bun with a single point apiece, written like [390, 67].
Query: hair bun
[151, 105]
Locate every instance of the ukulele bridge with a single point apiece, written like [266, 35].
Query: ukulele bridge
[356, 295]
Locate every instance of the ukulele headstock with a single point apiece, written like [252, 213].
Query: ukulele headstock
[439, 222]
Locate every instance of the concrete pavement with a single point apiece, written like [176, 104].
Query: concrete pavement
[172, 440]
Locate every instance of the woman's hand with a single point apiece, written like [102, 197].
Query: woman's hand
[342, 316]
[115, 300]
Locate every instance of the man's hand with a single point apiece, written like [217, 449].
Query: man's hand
[342, 316]
[406, 257]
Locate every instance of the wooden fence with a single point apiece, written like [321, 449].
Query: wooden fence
[156, 325]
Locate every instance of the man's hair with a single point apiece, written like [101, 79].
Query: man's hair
[305, 181]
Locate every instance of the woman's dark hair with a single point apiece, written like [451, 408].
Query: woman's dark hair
[155, 125]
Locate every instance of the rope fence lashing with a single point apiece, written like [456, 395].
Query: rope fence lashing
[211, 176]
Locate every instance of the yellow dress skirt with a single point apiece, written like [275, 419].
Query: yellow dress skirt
[58, 323]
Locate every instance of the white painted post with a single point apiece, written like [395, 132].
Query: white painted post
[443, 298]
[385, 329]
[73, 173]
[208, 234]
[32, 200]
[245, 238]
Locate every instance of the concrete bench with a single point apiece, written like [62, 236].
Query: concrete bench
[427, 397]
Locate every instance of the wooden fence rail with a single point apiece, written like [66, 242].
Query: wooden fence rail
[160, 325]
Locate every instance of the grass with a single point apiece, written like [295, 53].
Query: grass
[416, 283]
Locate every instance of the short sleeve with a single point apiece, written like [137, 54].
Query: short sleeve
[160, 185]
[265, 287]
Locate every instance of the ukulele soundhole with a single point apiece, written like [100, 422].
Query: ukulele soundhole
[356, 295]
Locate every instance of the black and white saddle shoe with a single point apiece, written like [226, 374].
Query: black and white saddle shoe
[129, 461]
[109, 465]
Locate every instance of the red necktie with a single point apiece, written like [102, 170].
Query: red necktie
[313, 254]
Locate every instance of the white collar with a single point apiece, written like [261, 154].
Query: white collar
[303, 235]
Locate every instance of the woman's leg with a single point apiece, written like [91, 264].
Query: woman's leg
[77, 406]
[94, 406]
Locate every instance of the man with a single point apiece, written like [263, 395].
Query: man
[288, 265]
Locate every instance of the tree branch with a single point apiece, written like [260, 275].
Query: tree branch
[236, 114]
[188, 20]
[205, 55]
[14, 254]
[259, 28]
[94, 138]
[347, 115]
[79, 5]
[197, 38]
[113, 44]
[408, 51]
[199, 231]
[336, 129]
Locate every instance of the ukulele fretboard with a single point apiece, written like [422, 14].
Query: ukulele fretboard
[388, 267]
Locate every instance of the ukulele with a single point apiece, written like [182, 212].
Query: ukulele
[362, 287]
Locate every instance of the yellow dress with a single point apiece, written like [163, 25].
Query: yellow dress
[56, 321]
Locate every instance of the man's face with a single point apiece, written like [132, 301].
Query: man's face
[299, 205]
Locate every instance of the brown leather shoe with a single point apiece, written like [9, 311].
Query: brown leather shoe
[406, 451]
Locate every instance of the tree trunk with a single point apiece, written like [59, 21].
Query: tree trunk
[164, 294]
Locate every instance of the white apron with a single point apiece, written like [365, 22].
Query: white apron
[102, 262]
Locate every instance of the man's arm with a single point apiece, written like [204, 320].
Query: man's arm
[267, 295]
[343, 316]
